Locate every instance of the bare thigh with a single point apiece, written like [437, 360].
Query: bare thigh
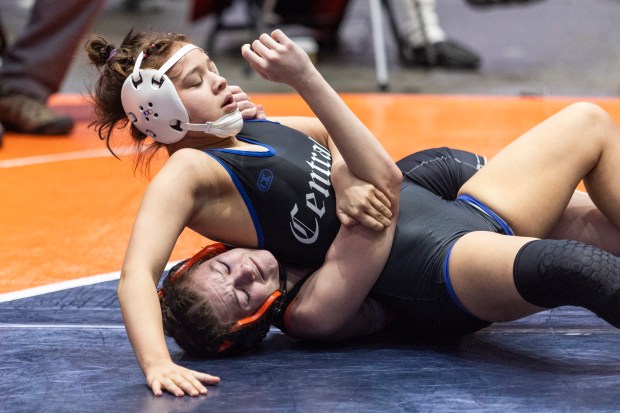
[583, 221]
[481, 268]
[531, 181]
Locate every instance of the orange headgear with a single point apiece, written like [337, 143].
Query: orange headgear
[246, 333]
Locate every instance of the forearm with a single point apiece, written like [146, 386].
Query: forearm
[277, 58]
[143, 322]
[363, 154]
[334, 294]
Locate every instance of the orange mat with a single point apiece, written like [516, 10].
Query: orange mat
[67, 206]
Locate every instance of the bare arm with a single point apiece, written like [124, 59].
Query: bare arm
[166, 208]
[329, 304]
[332, 297]
[277, 58]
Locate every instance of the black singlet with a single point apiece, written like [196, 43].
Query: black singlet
[430, 221]
[287, 191]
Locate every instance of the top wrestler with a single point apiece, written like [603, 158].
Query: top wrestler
[194, 190]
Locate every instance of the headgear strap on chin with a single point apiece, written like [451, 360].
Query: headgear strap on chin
[153, 105]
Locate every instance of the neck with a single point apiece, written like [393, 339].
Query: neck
[295, 274]
[202, 142]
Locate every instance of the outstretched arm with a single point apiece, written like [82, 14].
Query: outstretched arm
[166, 208]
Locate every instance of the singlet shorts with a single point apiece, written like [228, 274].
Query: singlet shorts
[417, 286]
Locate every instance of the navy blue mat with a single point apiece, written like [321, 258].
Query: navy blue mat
[67, 351]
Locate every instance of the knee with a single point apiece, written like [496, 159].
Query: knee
[594, 117]
[588, 110]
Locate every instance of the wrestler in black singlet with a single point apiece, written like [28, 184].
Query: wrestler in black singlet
[287, 191]
[414, 283]
[292, 203]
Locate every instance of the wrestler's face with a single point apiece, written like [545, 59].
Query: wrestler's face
[237, 282]
[202, 90]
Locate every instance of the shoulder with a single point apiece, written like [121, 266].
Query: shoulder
[186, 155]
[309, 126]
[187, 159]
[192, 165]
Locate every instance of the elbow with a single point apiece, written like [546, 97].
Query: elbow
[394, 179]
[308, 327]
[123, 289]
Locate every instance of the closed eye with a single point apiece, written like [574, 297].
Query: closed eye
[195, 80]
[226, 266]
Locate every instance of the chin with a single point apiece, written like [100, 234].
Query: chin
[269, 261]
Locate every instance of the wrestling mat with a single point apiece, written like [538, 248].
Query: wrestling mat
[66, 211]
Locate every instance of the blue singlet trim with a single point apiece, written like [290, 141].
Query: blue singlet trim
[446, 278]
[246, 200]
[446, 273]
[269, 152]
[473, 201]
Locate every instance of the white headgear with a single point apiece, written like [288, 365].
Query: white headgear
[152, 104]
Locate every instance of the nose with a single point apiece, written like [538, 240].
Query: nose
[219, 83]
[244, 272]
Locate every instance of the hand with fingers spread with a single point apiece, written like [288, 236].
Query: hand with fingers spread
[178, 380]
[278, 58]
[248, 109]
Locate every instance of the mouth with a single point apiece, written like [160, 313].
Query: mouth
[229, 100]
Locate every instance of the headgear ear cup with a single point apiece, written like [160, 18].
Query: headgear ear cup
[154, 107]
[250, 331]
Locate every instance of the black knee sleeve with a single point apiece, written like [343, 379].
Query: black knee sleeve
[549, 273]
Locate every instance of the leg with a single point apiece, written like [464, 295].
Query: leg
[441, 170]
[38, 60]
[421, 39]
[481, 275]
[515, 276]
[531, 181]
[582, 221]
[444, 170]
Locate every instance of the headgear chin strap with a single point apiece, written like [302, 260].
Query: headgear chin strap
[152, 104]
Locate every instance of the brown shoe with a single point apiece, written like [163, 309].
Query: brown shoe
[1, 134]
[25, 114]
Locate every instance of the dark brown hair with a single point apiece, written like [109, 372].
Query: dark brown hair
[114, 65]
[188, 317]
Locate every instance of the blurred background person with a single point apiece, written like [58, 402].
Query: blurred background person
[35, 64]
[422, 41]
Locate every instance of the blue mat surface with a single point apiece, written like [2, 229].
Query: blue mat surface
[67, 351]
